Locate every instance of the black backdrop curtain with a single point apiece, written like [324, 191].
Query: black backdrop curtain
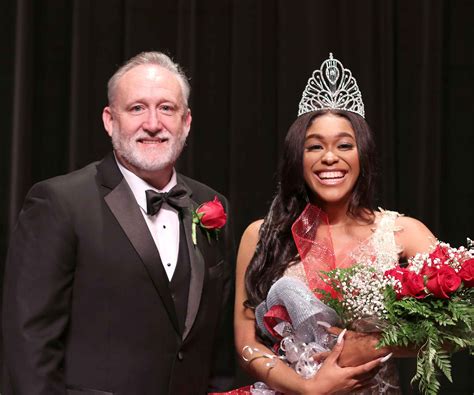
[249, 61]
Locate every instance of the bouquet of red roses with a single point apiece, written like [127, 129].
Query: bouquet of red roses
[427, 304]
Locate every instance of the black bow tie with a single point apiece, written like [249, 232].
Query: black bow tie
[177, 198]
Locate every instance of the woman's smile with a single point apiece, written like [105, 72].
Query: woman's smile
[331, 177]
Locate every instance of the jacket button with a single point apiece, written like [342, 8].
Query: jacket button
[180, 355]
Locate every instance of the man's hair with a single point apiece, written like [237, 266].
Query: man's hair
[152, 58]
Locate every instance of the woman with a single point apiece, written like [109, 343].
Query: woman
[328, 162]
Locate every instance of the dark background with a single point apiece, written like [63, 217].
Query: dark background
[249, 61]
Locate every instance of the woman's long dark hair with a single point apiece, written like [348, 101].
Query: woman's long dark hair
[276, 248]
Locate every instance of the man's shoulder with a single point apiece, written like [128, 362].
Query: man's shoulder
[69, 190]
[75, 178]
[79, 185]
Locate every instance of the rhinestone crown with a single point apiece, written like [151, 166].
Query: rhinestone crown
[332, 87]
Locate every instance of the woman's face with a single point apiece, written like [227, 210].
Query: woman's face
[330, 159]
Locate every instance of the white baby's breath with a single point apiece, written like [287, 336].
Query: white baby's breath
[363, 292]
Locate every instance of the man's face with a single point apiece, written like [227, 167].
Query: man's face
[148, 120]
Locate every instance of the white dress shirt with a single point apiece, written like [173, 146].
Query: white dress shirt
[164, 225]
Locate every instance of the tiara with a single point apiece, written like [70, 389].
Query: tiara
[332, 87]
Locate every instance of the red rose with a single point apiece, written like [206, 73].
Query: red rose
[467, 273]
[443, 282]
[212, 215]
[440, 253]
[428, 271]
[412, 285]
[397, 273]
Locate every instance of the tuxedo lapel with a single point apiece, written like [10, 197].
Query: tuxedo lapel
[123, 205]
[197, 265]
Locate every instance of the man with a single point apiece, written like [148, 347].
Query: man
[107, 290]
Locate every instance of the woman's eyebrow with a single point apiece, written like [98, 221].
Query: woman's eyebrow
[321, 137]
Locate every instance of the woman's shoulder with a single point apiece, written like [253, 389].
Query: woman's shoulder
[411, 235]
[402, 222]
[251, 233]
[253, 229]
[384, 213]
[248, 242]
[414, 236]
[411, 224]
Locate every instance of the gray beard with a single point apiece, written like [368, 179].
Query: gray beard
[127, 149]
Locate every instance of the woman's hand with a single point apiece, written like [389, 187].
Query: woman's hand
[361, 347]
[331, 377]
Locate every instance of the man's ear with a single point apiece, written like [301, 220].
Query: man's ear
[187, 120]
[107, 119]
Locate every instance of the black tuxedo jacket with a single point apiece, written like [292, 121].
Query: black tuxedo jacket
[87, 305]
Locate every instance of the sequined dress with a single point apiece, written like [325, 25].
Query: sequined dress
[381, 245]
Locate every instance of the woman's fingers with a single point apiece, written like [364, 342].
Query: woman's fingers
[386, 357]
[369, 367]
[337, 349]
[334, 330]
[340, 337]
[321, 356]
[337, 378]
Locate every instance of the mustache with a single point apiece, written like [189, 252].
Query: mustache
[163, 134]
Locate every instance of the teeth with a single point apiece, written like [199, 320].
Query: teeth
[153, 141]
[330, 174]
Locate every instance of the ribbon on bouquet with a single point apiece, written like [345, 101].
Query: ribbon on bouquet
[290, 318]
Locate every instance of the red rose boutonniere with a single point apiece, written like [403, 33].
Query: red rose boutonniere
[211, 217]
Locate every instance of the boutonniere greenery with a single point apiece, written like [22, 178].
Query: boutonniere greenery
[211, 217]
